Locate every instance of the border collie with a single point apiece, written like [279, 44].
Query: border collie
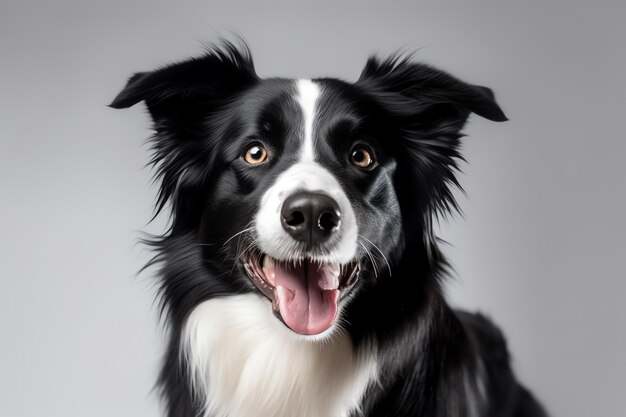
[300, 275]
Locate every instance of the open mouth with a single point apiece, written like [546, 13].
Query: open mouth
[304, 294]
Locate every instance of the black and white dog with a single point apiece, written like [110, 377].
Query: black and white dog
[300, 276]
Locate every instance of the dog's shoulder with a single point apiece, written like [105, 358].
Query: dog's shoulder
[486, 335]
[506, 395]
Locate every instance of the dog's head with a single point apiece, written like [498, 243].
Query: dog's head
[301, 190]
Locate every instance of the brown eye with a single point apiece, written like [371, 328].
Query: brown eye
[361, 157]
[255, 154]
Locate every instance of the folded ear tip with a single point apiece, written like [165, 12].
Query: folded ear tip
[120, 102]
[129, 96]
[493, 112]
[486, 91]
[500, 116]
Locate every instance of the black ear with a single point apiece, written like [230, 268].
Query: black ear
[426, 108]
[181, 99]
[134, 92]
[182, 91]
[413, 88]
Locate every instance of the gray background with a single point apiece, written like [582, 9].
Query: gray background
[540, 249]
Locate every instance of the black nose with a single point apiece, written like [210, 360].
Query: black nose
[310, 217]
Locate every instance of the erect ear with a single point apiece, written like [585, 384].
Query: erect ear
[415, 90]
[183, 91]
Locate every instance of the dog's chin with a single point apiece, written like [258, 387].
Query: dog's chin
[305, 293]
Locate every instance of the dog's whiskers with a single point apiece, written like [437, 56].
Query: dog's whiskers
[247, 229]
[239, 240]
[369, 254]
[381, 253]
[250, 246]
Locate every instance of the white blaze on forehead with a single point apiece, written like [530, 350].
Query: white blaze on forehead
[308, 92]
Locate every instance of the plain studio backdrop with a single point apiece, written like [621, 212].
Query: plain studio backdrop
[540, 247]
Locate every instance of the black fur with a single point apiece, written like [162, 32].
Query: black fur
[206, 109]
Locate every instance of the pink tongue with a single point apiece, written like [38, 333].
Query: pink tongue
[306, 295]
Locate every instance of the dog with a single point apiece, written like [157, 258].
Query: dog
[300, 274]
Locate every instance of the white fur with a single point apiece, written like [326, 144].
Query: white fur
[305, 175]
[246, 363]
[308, 93]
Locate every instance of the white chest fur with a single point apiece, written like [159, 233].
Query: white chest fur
[248, 364]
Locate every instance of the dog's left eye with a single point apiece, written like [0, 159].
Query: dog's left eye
[255, 154]
[361, 157]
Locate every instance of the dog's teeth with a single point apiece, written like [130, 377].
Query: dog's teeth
[269, 269]
[278, 292]
[268, 262]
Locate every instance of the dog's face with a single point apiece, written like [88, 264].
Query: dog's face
[308, 182]
[303, 190]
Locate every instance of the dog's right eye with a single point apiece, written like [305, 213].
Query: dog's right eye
[255, 154]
